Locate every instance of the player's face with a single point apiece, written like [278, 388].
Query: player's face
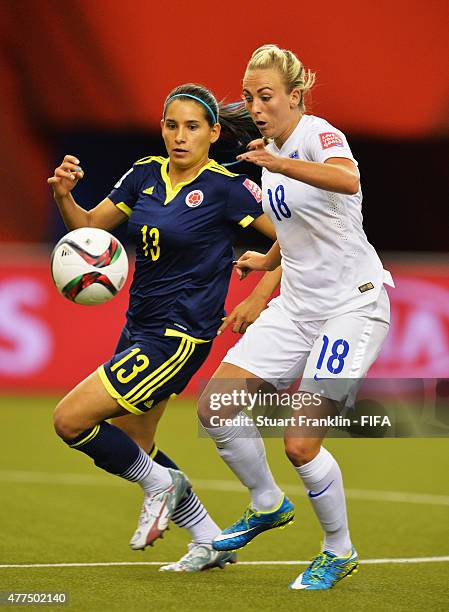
[274, 110]
[187, 134]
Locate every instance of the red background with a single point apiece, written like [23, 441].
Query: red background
[66, 66]
[49, 344]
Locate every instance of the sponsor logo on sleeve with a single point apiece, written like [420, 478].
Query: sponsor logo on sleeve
[254, 189]
[331, 139]
[194, 198]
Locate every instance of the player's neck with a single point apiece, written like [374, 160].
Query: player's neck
[288, 130]
[182, 175]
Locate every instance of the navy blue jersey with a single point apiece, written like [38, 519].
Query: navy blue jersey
[183, 240]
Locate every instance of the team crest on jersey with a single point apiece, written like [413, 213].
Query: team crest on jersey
[194, 198]
[294, 155]
[330, 139]
[254, 189]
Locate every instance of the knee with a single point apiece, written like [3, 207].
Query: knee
[204, 409]
[208, 407]
[63, 422]
[301, 450]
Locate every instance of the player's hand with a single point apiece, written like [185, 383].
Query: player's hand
[243, 314]
[261, 157]
[259, 143]
[249, 261]
[66, 176]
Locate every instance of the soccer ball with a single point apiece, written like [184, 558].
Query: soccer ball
[89, 266]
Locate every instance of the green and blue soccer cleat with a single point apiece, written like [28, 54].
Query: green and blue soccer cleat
[326, 570]
[252, 523]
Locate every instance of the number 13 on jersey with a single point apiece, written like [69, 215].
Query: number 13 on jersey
[154, 250]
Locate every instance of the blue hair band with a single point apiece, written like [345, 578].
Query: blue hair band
[238, 161]
[186, 95]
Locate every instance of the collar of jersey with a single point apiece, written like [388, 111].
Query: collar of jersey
[170, 192]
[298, 128]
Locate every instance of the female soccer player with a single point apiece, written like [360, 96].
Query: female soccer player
[183, 212]
[329, 322]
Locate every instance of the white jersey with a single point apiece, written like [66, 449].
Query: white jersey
[328, 265]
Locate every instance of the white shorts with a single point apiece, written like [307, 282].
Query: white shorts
[331, 356]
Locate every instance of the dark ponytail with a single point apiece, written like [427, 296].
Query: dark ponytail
[237, 123]
[234, 119]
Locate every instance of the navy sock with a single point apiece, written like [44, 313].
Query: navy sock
[161, 458]
[109, 446]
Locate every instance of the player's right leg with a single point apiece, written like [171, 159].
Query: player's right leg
[270, 351]
[243, 450]
[80, 420]
[140, 377]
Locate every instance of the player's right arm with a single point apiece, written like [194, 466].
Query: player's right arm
[247, 311]
[105, 215]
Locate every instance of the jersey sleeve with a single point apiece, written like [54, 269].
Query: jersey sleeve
[125, 191]
[244, 203]
[325, 142]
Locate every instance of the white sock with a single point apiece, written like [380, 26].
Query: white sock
[192, 515]
[204, 531]
[243, 450]
[323, 481]
[153, 478]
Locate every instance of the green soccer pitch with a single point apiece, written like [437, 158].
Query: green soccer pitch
[58, 508]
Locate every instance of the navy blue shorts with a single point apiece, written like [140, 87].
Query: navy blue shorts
[141, 374]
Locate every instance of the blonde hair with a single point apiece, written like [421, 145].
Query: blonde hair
[290, 67]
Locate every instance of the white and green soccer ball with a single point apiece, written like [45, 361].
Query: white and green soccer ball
[89, 266]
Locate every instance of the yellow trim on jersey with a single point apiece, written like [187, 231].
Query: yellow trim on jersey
[172, 192]
[246, 221]
[154, 452]
[115, 394]
[190, 348]
[135, 391]
[150, 158]
[148, 190]
[180, 334]
[87, 439]
[222, 170]
[124, 208]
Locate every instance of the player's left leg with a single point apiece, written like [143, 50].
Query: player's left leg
[344, 350]
[321, 476]
[190, 513]
[142, 427]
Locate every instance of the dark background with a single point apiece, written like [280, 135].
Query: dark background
[404, 182]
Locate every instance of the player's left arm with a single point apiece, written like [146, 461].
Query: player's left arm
[337, 174]
[245, 313]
